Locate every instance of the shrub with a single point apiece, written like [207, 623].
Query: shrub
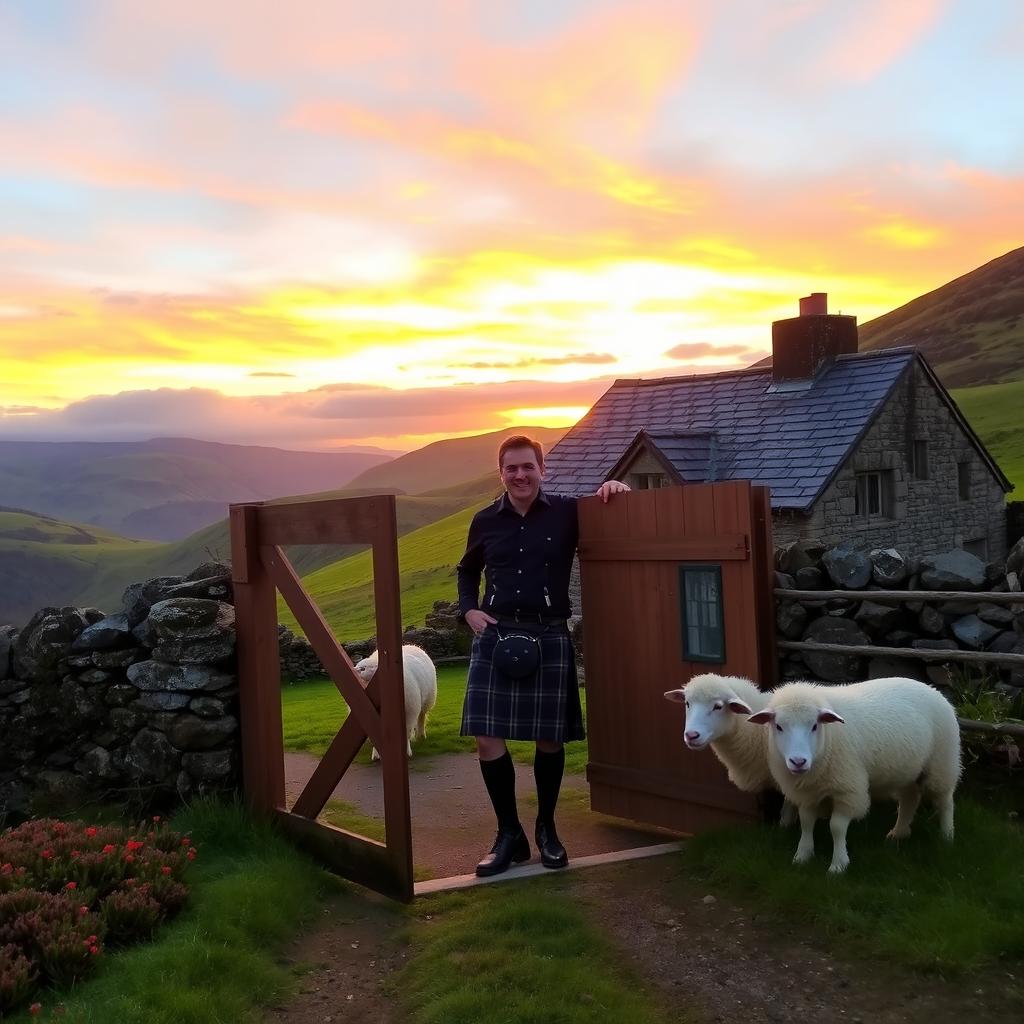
[66, 889]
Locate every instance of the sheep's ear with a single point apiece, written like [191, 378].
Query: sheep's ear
[762, 717]
[737, 706]
[828, 715]
[677, 696]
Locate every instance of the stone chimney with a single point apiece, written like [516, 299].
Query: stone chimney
[805, 345]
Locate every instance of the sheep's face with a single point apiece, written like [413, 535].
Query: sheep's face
[798, 735]
[709, 715]
[366, 669]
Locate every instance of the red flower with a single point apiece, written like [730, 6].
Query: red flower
[109, 848]
[156, 819]
[129, 859]
[92, 940]
[6, 869]
[35, 1009]
[71, 885]
[165, 870]
[74, 854]
[132, 845]
[191, 854]
[94, 950]
[91, 831]
[83, 910]
[187, 841]
[47, 854]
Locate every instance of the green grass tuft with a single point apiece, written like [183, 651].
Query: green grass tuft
[517, 954]
[921, 903]
[314, 711]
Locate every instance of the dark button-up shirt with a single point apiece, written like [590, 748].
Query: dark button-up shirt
[526, 560]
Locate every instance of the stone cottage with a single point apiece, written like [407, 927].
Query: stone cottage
[863, 447]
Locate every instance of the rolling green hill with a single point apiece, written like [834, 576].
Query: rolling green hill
[444, 463]
[971, 330]
[46, 561]
[427, 559]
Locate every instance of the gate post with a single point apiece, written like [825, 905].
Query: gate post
[259, 665]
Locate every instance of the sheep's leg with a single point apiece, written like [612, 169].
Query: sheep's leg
[844, 810]
[421, 725]
[944, 804]
[805, 848]
[789, 814]
[909, 799]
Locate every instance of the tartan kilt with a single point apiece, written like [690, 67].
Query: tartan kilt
[544, 706]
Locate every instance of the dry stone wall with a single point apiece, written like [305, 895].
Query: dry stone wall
[138, 703]
[970, 624]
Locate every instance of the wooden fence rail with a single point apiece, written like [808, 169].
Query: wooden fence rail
[923, 654]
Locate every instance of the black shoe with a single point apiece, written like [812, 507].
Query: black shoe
[508, 848]
[552, 852]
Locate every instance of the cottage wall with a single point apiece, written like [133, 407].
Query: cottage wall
[927, 516]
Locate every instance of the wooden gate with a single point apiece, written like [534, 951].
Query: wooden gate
[676, 581]
[259, 569]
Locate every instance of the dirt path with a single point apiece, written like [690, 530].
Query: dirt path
[706, 959]
[452, 821]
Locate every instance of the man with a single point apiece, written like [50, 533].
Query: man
[524, 544]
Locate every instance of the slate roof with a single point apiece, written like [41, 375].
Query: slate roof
[791, 440]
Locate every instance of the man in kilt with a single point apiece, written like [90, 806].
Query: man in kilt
[522, 671]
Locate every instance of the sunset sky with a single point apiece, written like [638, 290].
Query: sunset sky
[324, 223]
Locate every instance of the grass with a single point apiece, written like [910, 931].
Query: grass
[217, 962]
[993, 410]
[314, 711]
[517, 954]
[922, 903]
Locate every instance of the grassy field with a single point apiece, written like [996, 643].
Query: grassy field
[994, 411]
[921, 903]
[314, 711]
[219, 961]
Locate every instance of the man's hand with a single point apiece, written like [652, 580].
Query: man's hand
[478, 621]
[608, 488]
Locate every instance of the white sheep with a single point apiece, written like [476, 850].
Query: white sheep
[717, 713]
[890, 738]
[420, 690]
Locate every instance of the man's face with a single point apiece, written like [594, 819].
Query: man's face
[520, 473]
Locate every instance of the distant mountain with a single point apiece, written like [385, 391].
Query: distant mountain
[971, 330]
[165, 488]
[448, 462]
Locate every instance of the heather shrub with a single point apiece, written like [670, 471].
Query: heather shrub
[68, 889]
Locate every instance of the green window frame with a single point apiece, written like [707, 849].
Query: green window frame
[702, 613]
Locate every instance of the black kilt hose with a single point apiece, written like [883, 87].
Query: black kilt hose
[541, 706]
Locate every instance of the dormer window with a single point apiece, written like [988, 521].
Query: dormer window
[648, 481]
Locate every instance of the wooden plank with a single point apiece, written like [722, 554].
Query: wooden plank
[390, 679]
[332, 655]
[671, 787]
[329, 521]
[677, 815]
[899, 596]
[355, 857]
[971, 657]
[259, 669]
[333, 765]
[992, 728]
[636, 549]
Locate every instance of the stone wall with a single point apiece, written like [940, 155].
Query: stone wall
[973, 624]
[922, 515]
[141, 703]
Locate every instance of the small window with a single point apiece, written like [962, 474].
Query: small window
[870, 499]
[700, 588]
[921, 460]
[963, 480]
[649, 481]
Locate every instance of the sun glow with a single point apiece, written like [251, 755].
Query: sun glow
[546, 416]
